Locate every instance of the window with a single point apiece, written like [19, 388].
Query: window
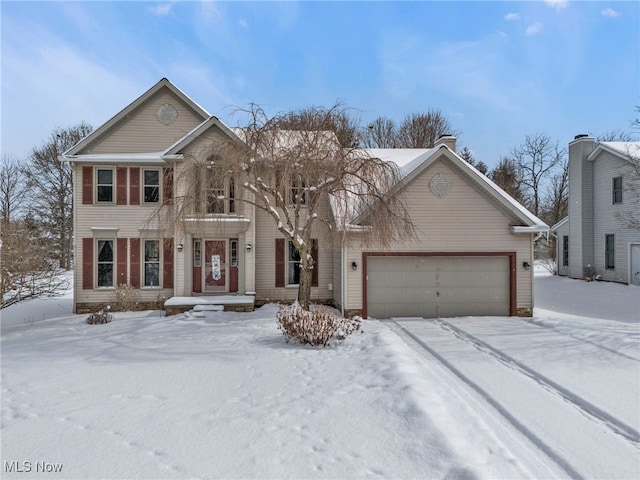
[197, 253]
[298, 190]
[105, 263]
[152, 263]
[104, 185]
[294, 264]
[234, 253]
[609, 252]
[565, 250]
[219, 190]
[151, 189]
[617, 190]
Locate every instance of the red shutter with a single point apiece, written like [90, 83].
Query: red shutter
[134, 186]
[279, 262]
[167, 262]
[87, 263]
[167, 185]
[135, 262]
[314, 254]
[87, 185]
[121, 186]
[121, 261]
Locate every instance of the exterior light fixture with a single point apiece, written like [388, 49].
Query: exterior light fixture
[354, 266]
[180, 247]
[526, 265]
[249, 247]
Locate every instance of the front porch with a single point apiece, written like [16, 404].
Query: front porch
[229, 303]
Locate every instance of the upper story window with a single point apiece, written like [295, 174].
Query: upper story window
[617, 190]
[298, 190]
[218, 192]
[104, 185]
[151, 188]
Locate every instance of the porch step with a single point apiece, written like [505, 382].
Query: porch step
[208, 308]
[213, 303]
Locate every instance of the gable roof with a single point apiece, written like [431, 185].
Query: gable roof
[412, 162]
[199, 130]
[625, 150]
[163, 83]
[560, 224]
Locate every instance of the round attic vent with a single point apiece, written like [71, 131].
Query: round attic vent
[166, 114]
[440, 185]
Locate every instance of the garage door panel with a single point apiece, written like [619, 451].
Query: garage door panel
[431, 286]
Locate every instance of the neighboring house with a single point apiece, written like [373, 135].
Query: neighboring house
[600, 238]
[472, 254]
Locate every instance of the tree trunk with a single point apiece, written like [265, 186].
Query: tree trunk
[306, 276]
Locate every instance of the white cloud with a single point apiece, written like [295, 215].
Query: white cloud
[512, 16]
[557, 4]
[534, 28]
[610, 12]
[162, 9]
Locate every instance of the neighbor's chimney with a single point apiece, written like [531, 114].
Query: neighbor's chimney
[447, 140]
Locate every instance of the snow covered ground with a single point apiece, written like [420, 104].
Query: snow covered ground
[147, 396]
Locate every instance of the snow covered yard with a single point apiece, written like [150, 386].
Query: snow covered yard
[224, 396]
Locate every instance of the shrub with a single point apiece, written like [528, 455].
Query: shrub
[316, 327]
[100, 317]
[126, 298]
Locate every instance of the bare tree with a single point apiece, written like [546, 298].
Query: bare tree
[50, 186]
[291, 173]
[26, 269]
[507, 176]
[537, 159]
[421, 130]
[614, 136]
[381, 133]
[12, 189]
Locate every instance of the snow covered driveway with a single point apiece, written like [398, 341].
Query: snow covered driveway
[575, 398]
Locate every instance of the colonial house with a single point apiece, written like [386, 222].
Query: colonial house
[472, 253]
[600, 238]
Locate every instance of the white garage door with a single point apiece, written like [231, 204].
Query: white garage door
[431, 287]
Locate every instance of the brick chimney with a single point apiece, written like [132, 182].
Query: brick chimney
[448, 140]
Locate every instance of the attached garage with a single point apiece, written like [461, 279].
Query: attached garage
[438, 285]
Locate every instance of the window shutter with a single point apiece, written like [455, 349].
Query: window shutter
[167, 185]
[167, 262]
[121, 261]
[279, 262]
[121, 186]
[135, 262]
[87, 263]
[87, 185]
[314, 254]
[134, 186]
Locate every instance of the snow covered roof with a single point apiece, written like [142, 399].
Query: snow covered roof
[147, 157]
[199, 130]
[559, 224]
[623, 149]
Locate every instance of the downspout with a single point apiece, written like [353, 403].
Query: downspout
[342, 281]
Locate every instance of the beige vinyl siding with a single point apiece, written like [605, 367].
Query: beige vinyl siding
[609, 218]
[129, 220]
[266, 234]
[142, 132]
[462, 221]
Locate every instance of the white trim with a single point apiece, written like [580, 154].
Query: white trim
[105, 231]
[518, 229]
[630, 246]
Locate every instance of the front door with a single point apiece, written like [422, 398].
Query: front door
[215, 269]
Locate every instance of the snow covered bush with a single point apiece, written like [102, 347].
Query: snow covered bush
[316, 327]
[100, 317]
[126, 298]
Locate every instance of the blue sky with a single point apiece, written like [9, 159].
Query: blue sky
[498, 70]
